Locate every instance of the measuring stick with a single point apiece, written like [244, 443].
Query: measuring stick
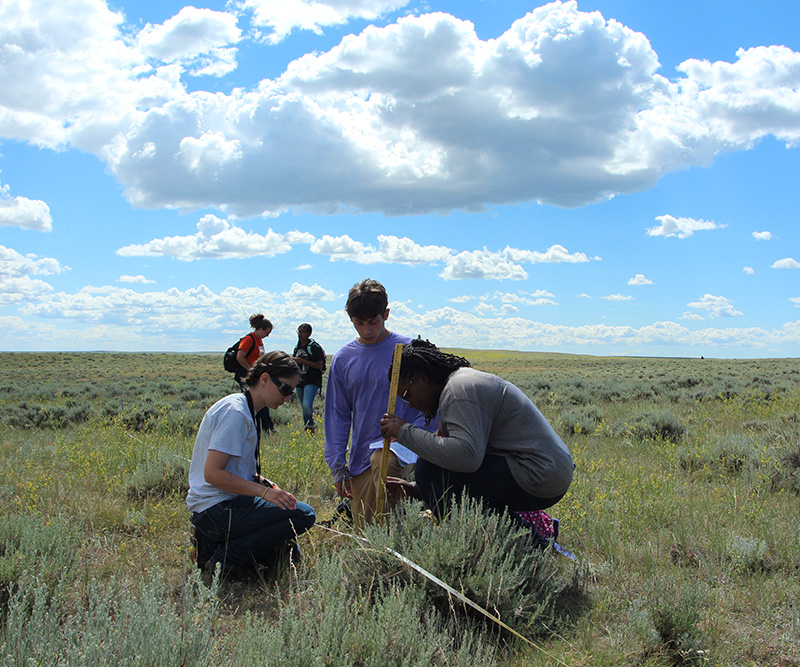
[381, 491]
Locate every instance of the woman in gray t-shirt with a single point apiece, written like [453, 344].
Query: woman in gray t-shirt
[493, 442]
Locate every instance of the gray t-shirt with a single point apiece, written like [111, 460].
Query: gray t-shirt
[480, 412]
[227, 427]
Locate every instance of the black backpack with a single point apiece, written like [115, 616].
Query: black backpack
[311, 343]
[229, 360]
[324, 356]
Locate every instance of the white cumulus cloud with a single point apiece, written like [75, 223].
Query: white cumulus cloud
[715, 306]
[313, 293]
[217, 238]
[17, 284]
[683, 228]
[282, 17]
[138, 280]
[421, 115]
[23, 212]
[510, 301]
[482, 264]
[762, 236]
[197, 38]
[639, 279]
[786, 263]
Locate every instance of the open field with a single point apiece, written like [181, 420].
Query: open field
[683, 515]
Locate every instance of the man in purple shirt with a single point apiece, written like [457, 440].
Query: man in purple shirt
[356, 398]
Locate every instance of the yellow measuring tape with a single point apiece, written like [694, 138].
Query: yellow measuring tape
[380, 501]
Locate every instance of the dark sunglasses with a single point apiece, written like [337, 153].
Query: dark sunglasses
[285, 389]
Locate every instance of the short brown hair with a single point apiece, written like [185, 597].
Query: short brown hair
[366, 300]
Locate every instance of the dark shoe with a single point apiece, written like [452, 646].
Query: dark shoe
[203, 548]
[342, 511]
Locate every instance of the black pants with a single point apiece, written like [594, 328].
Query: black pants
[492, 483]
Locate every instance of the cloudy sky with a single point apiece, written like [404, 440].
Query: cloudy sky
[607, 177]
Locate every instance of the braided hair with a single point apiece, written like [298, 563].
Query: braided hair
[423, 356]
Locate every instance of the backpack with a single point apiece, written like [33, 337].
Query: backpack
[324, 357]
[229, 361]
[309, 346]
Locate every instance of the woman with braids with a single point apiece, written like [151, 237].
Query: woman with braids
[493, 443]
[241, 518]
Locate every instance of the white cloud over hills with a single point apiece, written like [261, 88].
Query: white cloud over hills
[171, 316]
[564, 108]
[217, 238]
[17, 284]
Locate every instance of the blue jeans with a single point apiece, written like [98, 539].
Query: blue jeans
[492, 483]
[306, 395]
[246, 530]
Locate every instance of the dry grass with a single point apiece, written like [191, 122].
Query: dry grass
[664, 524]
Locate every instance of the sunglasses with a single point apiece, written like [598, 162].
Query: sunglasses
[285, 389]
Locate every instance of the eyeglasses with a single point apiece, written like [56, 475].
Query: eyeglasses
[285, 389]
[404, 396]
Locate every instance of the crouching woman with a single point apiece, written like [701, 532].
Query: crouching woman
[493, 443]
[242, 519]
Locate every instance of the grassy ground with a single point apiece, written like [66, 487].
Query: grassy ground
[683, 514]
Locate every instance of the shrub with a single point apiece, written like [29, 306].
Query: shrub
[115, 627]
[670, 621]
[480, 554]
[29, 543]
[728, 454]
[656, 426]
[140, 418]
[788, 475]
[746, 554]
[159, 476]
[326, 622]
[580, 420]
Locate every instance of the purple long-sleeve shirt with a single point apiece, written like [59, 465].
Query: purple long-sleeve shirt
[356, 398]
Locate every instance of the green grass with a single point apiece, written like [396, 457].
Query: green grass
[683, 513]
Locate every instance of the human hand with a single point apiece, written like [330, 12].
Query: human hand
[400, 489]
[344, 489]
[283, 499]
[390, 425]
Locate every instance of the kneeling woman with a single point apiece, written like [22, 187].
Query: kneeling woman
[493, 443]
[242, 518]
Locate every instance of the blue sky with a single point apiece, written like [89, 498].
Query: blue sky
[612, 177]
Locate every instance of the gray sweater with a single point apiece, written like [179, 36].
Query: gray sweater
[480, 413]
